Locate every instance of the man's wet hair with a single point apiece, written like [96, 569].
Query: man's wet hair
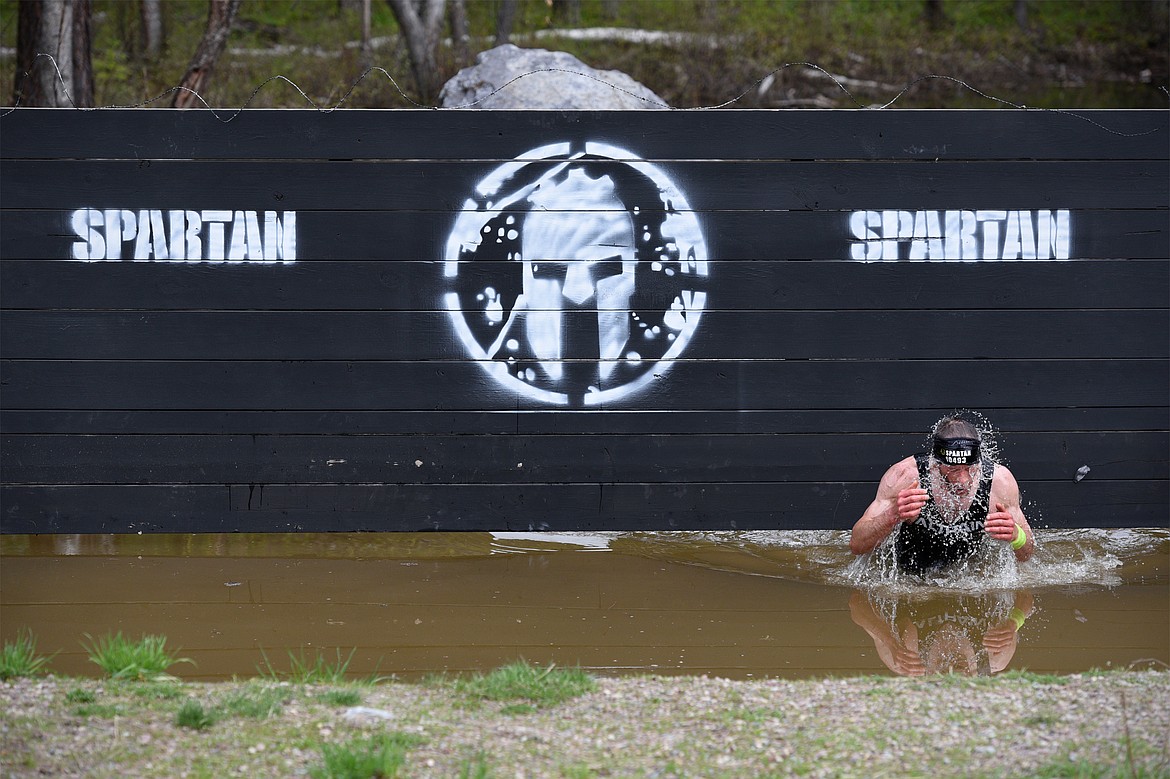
[954, 427]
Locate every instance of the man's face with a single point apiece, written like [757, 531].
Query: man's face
[959, 478]
[954, 488]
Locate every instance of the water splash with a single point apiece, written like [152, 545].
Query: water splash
[1089, 557]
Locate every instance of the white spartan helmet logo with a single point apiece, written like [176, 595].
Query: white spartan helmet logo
[576, 278]
[577, 260]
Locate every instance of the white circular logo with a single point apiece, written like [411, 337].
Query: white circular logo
[575, 277]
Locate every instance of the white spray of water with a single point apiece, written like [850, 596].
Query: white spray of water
[1094, 557]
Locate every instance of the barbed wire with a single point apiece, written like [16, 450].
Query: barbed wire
[536, 71]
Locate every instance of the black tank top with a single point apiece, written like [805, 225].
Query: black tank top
[930, 541]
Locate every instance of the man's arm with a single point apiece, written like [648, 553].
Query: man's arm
[899, 499]
[1001, 641]
[898, 657]
[1006, 514]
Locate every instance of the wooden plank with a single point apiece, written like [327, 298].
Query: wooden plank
[407, 549]
[421, 236]
[697, 384]
[726, 335]
[409, 286]
[912, 422]
[512, 507]
[351, 339]
[527, 459]
[740, 134]
[444, 186]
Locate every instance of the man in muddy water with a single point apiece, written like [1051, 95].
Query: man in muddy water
[943, 503]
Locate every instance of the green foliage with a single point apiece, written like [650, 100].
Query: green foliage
[192, 715]
[1069, 768]
[257, 701]
[888, 41]
[521, 681]
[341, 697]
[100, 710]
[121, 658]
[1041, 718]
[312, 668]
[79, 695]
[475, 768]
[19, 658]
[378, 757]
[577, 771]
[164, 689]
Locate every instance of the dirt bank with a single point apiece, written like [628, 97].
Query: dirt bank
[1111, 724]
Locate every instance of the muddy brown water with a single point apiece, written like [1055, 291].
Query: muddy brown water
[784, 604]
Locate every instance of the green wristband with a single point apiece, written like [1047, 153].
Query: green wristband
[1017, 617]
[1020, 539]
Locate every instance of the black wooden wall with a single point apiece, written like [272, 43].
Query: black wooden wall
[338, 390]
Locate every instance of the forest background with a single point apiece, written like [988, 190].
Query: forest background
[692, 53]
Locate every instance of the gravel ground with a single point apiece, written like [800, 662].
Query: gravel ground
[1110, 724]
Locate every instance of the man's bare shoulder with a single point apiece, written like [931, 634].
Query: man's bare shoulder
[899, 476]
[1004, 485]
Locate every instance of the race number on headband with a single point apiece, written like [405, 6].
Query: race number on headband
[956, 451]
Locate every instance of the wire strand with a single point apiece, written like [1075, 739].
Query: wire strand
[232, 114]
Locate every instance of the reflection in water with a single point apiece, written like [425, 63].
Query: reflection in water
[966, 634]
[735, 604]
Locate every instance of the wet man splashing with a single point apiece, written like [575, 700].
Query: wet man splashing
[941, 504]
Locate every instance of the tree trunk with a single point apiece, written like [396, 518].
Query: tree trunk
[152, 28]
[421, 22]
[1021, 9]
[460, 32]
[569, 11]
[935, 16]
[82, 54]
[367, 50]
[505, 18]
[221, 14]
[610, 9]
[54, 67]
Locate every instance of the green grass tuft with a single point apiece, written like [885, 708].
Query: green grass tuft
[521, 681]
[192, 715]
[380, 756]
[19, 658]
[165, 689]
[309, 669]
[257, 701]
[1068, 768]
[475, 768]
[100, 710]
[341, 697]
[122, 658]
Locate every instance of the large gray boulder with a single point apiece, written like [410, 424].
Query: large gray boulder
[523, 80]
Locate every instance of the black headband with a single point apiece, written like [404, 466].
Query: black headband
[956, 451]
